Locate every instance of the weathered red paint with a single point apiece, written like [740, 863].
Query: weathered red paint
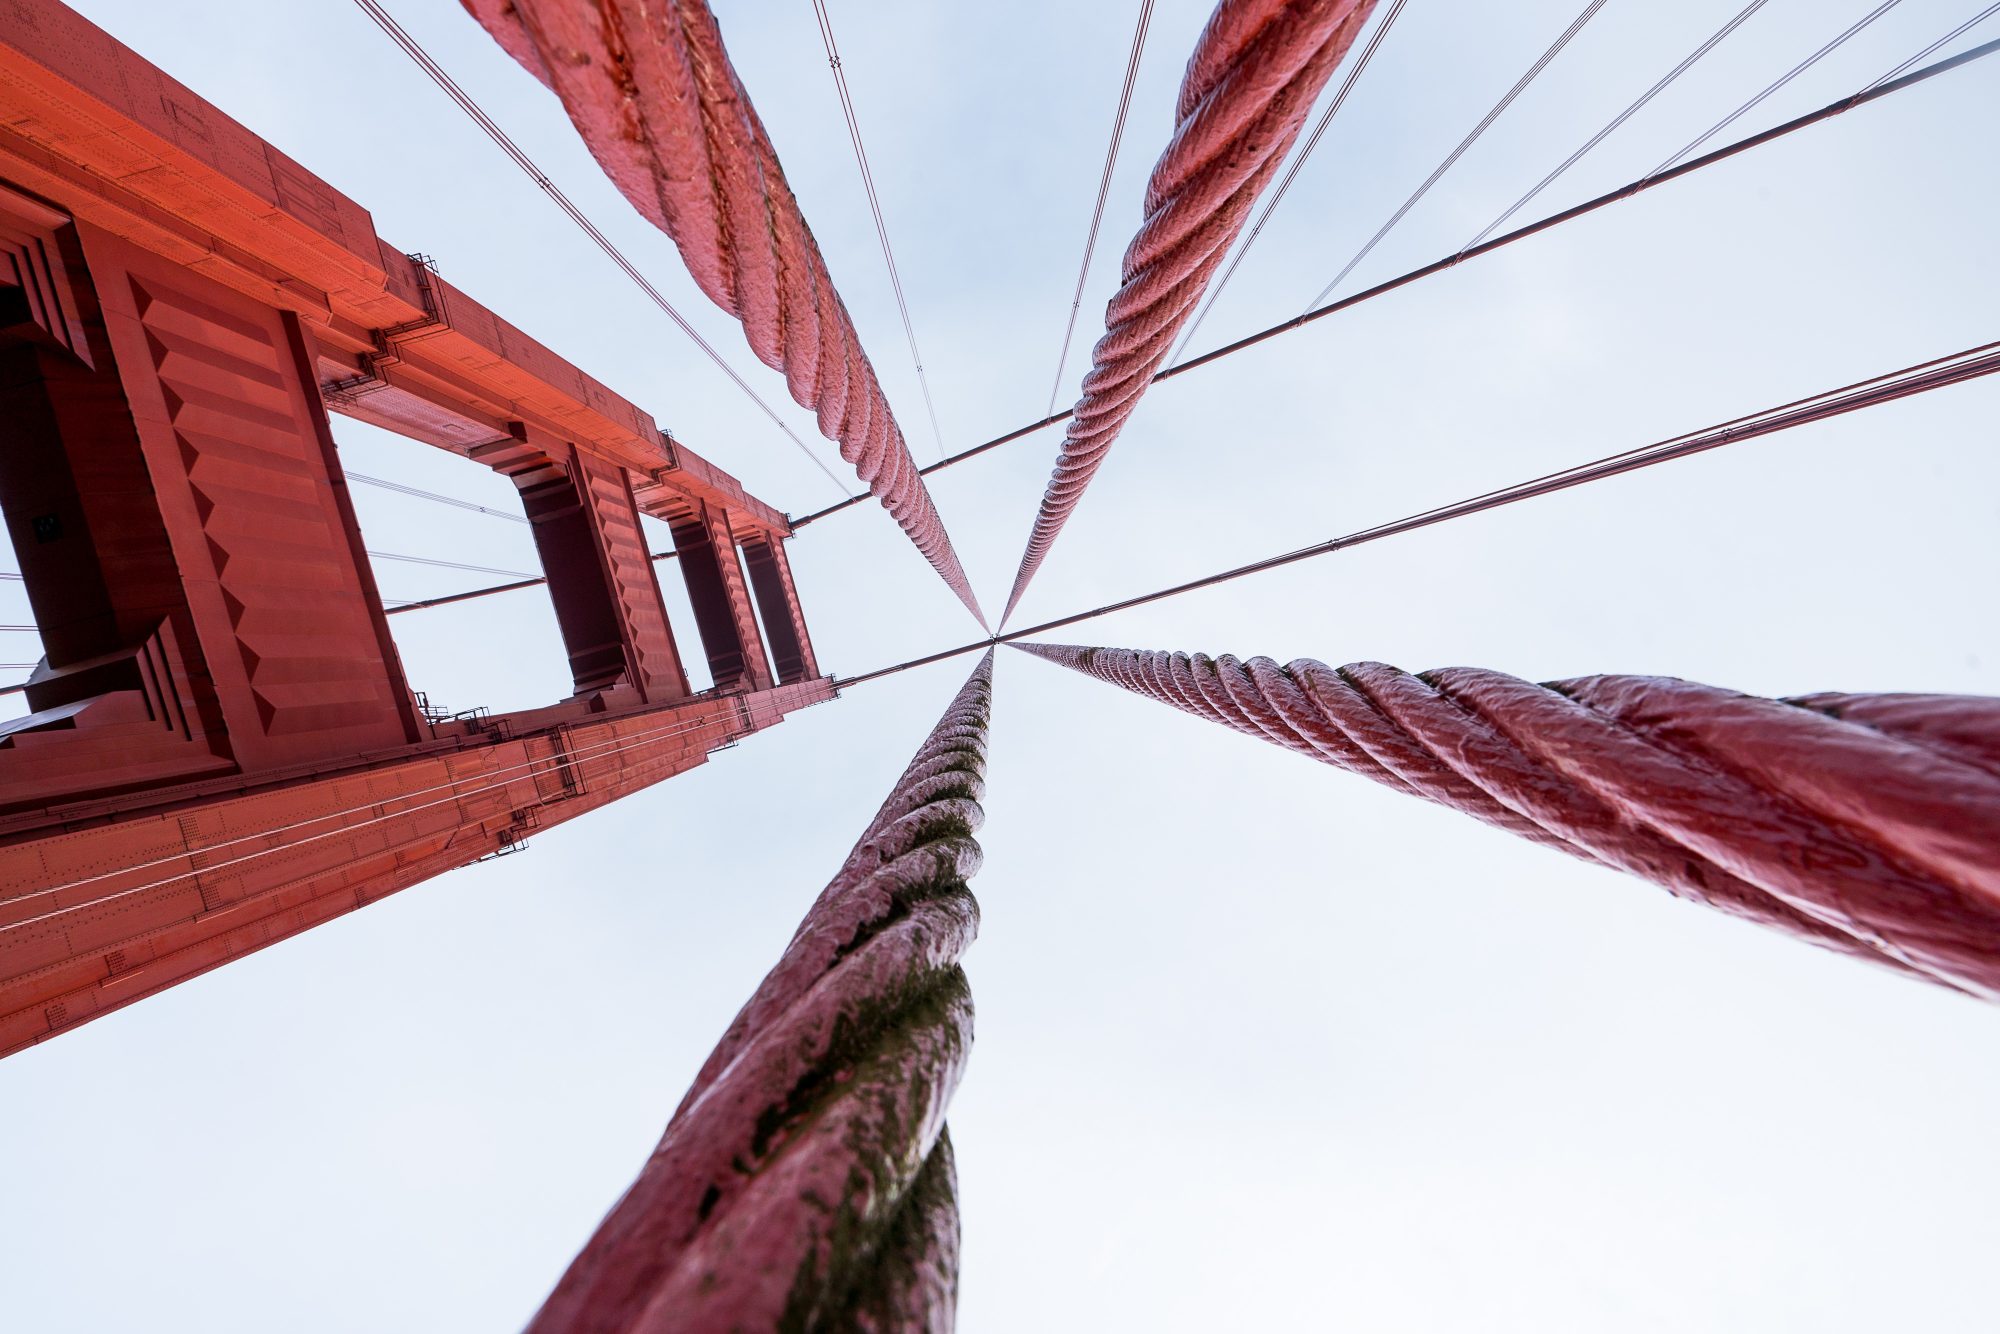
[651, 90]
[805, 1181]
[221, 748]
[1868, 824]
[1249, 86]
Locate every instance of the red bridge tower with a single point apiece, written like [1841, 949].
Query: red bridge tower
[221, 749]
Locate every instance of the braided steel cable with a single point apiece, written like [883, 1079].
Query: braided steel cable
[1103, 192]
[1254, 76]
[501, 140]
[1355, 69]
[805, 1181]
[1893, 82]
[1866, 824]
[651, 89]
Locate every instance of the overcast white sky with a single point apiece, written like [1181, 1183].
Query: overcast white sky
[1259, 1044]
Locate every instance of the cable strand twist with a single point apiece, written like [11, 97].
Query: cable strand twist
[1253, 78]
[1866, 824]
[651, 89]
[806, 1180]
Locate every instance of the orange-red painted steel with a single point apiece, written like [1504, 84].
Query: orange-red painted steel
[651, 89]
[1868, 824]
[805, 1181]
[107, 900]
[221, 747]
[1249, 87]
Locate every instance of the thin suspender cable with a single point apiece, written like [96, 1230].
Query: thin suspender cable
[1451, 159]
[875, 207]
[1921, 378]
[663, 110]
[1103, 190]
[499, 136]
[1255, 74]
[1780, 82]
[522, 772]
[1686, 64]
[419, 604]
[1291, 173]
[1934, 47]
[447, 564]
[1874, 92]
[404, 489]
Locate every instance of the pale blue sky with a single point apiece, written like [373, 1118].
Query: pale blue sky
[1260, 1046]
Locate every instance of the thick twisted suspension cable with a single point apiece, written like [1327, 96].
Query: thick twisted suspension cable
[652, 90]
[1776, 84]
[875, 208]
[1938, 373]
[1256, 72]
[1688, 62]
[1103, 190]
[1354, 71]
[1451, 159]
[805, 1181]
[444, 81]
[1887, 85]
[1865, 824]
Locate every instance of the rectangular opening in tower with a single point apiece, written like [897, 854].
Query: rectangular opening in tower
[500, 652]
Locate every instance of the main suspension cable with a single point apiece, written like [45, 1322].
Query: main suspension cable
[1103, 190]
[1451, 159]
[1347, 83]
[1874, 92]
[875, 207]
[1921, 378]
[465, 102]
[1714, 39]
